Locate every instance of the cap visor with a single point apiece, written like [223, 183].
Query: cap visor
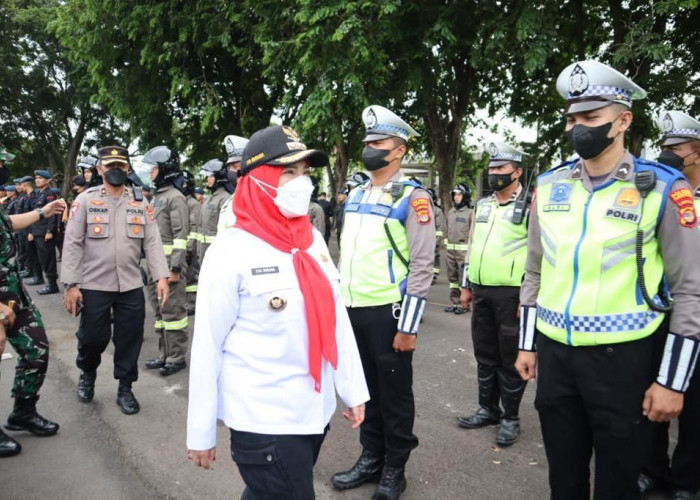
[316, 158]
[377, 137]
[500, 163]
[109, 161]
[583, 106]
[672, 141]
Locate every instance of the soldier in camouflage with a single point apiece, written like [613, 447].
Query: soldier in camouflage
[21, 325]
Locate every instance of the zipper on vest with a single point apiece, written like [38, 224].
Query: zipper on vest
[567, 311]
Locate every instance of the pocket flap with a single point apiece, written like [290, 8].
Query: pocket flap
[261, 456]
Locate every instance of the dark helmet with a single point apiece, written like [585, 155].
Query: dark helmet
[89, 163]
[218, 169]
[466, 194]
[185, 183]
[433, 196]
[168, 162]
[356, 179]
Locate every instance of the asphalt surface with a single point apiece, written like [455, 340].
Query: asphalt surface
[99, 453]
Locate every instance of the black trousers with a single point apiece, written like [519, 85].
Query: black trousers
[590, 399]
[495, 327]
[95, 331]
[22, 256]
[276, 466]
[46, 250]
[682, 472]
[389, 414]
[33, 257]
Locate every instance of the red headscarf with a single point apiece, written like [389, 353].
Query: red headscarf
[257, 214]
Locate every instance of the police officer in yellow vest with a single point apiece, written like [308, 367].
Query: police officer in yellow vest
[493, 271]
[459, 220]
[609, 234]
[680, 144]
[386, 261]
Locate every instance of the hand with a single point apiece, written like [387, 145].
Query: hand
[465, 298]
[54, 208]
[30, 237]
[162, 291]
[48, 236]
[355, 415]
[202, 458]
[2, 338]
[71, 298]
[174, 277]
[661, 404]
[526, 365]
[404, 342]
[9, 315]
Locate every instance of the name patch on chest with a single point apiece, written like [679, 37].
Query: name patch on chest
[625, 215]
[557, 207]
[95, 210]
[258, 271]
[482, 215]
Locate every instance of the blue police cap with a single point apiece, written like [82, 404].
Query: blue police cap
[199, 190]
[43, 173]
[27, 178]
[10, 189]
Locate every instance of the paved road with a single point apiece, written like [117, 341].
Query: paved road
[101, 453]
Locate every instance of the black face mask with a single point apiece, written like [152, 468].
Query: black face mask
[671, 159]
[500, 181]
[4, 175]
[374, 158]
[590, 142]
[232, 177]
[115, 176]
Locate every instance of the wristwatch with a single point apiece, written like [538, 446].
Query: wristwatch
[66, 286]
[41, 213]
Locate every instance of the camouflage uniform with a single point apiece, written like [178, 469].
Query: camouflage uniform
[27, 335]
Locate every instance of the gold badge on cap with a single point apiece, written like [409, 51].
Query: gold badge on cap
[277, 304]
[114, 152]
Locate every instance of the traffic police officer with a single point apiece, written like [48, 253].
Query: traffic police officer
[439, 233]
[45, 232]
[607, 233]
[680, 144]
[493, 271]
[386, 262]
[185, 183]
[221, 190]
[234, 146]
[21, 324]
[459, 220]
[110, 225]
[173, 220]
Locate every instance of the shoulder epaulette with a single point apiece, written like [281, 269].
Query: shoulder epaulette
[562, 165]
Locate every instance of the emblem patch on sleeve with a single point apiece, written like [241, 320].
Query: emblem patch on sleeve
[73, 209]
[683, 198]
[422, 209]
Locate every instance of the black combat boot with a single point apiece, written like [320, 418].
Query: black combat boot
[126, 399]
[25, 417]
[86, 386]
[8, 446]
[391, 484]
[50, 288]
[170, 368]
[35, 280]
[25, 274]
[488, 412]
[154, 364]
[512, 390]
[368, 468]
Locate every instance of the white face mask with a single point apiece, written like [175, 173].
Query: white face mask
[293, 198]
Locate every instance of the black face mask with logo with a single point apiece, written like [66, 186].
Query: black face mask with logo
[500, 181]
[374, 158]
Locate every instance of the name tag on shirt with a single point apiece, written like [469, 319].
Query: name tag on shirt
[259, 271]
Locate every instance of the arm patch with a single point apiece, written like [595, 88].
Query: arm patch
[422, 209]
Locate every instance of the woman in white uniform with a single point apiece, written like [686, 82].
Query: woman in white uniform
[272, 341]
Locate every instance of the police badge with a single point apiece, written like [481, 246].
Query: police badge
[667, 123]
[370, 119]
[493, 150]
[578, 82]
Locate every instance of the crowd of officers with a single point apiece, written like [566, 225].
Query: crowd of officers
[586, 278]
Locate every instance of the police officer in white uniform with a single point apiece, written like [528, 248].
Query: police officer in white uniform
[234, 146]
[607, 232]
[680, 145]
[386, 267]
[272, 341]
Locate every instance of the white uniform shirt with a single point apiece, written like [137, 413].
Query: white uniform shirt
[227, 219]
[250, 362]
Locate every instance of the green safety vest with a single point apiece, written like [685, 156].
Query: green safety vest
[588, 283]
[371, 274]
[498, 248]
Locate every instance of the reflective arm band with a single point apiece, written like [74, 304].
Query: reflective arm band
[456, 246]
[179, 244]
[168, 249]
[208, 239]
[445, 241]
[678, 363]
[528, 334]
[411, 313]
[439, 234]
